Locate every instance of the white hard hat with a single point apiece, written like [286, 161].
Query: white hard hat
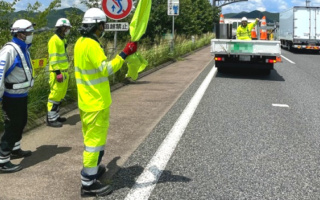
[244, 19]
[63, 22]
[22, 25]
[94, 15]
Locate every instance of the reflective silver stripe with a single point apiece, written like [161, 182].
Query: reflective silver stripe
[87, 71]
[110, 69]
[58, 54]
[54, 102]
[16, 147]
[90, 71]
[58, 62]
[53, 116]
[86, 183]
[97, 70]
[94, 149]
[17, 143]
[4, 159]
[20, 85]
[92, 82]
[91, 171]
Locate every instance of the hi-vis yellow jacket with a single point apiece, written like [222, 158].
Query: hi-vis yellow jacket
[58, 58]
[244, 33]
[91, 73]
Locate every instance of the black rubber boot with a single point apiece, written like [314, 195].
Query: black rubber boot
[101, 170]
[9, 167]
[55, 124]
[20, 154]
[96, 189]
[62, 119]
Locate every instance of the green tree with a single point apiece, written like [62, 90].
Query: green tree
[5, 9]
[91, 3]
[195, 17]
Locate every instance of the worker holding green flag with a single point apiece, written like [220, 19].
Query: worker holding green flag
[138, 26]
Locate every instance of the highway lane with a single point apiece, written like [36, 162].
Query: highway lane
[239, 143]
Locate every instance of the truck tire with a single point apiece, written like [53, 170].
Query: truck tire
[289, 47]
[219, 67]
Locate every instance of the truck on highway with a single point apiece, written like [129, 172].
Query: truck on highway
[300, 28]
[255, 54]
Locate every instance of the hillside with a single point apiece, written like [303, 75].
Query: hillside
[271, 17]
[52, 18]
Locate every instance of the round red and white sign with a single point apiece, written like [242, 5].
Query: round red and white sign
[117, 9]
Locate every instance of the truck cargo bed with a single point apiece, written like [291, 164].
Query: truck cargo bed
[245, 47]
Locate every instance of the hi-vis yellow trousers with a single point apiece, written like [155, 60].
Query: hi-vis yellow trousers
[57, 92]
[95, 130]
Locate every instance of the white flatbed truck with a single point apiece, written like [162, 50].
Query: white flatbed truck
[255, 54]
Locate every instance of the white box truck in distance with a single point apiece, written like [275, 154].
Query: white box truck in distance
[299, 28]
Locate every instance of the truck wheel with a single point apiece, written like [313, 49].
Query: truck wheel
[290, 47]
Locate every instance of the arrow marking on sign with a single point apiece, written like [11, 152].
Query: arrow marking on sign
[113, 7]
[119, 1]
[114, 1]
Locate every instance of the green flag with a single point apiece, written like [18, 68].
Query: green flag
[138, 26]
[139, 22]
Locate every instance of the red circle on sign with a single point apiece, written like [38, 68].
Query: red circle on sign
[113, 16]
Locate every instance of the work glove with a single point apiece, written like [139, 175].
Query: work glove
[130, 48]
[59, 78]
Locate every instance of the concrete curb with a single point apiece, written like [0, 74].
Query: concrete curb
[73, 106]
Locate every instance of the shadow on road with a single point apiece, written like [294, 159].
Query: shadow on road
[304, 51]
[250, 74]
[139, 82]
[43, 153]
[73, 120]
[125, 177]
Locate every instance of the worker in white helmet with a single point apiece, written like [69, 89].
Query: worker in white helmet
[244, 30]
[58, 67]
[94, 98]
[16, 78]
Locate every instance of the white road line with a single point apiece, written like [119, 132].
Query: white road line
[288, 59]
[281, 105]
[151, 174]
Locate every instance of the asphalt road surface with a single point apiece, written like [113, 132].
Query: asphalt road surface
[251, 136]
[189, 132]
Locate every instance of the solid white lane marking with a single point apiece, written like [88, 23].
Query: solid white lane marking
[288, 59]
[151, 174]
[280, 105]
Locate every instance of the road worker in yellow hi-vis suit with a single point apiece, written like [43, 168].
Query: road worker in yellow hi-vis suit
[58, 67]
[94, 98]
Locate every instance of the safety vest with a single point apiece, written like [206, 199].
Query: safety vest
[91, 73]
[58, 58]
[28, 71]
[244, 33]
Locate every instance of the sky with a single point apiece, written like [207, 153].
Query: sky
[250, 5]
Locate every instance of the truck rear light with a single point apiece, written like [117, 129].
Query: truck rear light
[271, 61]
[219, 58]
